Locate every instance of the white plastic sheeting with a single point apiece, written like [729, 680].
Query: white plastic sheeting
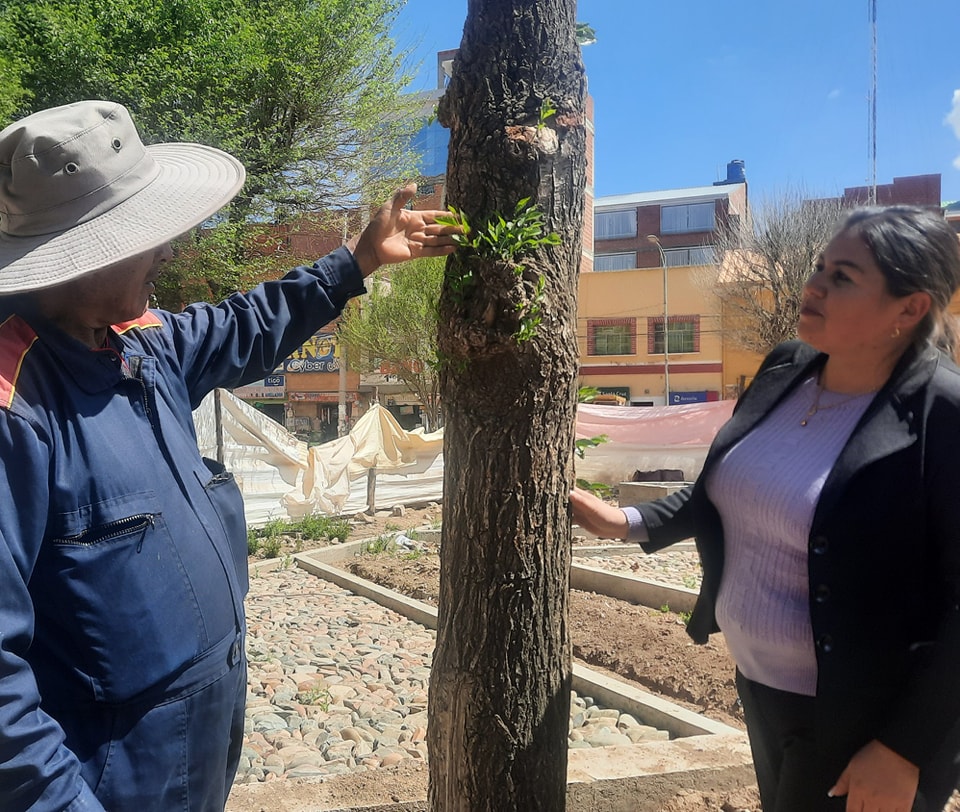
[281, 478]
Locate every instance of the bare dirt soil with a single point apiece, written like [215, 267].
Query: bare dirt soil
[637, 643]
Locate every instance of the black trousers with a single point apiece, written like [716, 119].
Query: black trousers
[794, 773]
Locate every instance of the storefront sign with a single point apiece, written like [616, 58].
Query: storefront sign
[321, 397]
[262, 390]
[320, 353]
[311, 365]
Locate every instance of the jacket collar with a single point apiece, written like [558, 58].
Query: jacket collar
[887, 426]
[793, 364]
[91, 370]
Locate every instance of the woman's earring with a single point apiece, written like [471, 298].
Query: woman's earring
[895, 333]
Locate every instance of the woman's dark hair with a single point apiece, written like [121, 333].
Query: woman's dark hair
[915, 250]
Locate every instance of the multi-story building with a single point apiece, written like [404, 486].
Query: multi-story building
[648, 324]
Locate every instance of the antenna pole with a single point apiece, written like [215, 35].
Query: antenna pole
[872, 122]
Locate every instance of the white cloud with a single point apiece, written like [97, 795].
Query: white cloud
[953, 117]
[953, 120]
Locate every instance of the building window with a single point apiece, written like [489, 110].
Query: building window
[690, 217]
[609, 225]
[615, 262]
[697, 255]
[431, 144]
[683, 334]
[612, 337]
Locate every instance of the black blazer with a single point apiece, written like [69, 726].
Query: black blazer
[884, 553]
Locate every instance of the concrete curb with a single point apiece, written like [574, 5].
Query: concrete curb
[703, 754]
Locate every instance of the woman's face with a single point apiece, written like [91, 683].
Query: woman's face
[846, 307]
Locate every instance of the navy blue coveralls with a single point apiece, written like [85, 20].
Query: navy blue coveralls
[124, 554]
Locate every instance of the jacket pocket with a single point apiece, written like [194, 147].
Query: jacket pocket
[224, 494]
[117, 605]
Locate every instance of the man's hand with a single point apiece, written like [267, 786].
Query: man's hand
[397, 234]
[878, 780]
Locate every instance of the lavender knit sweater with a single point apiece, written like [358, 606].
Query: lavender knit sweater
[766, 490]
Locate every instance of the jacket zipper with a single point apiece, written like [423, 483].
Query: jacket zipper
[121, 527]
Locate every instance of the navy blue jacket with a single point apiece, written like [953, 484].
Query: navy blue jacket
[123, 553]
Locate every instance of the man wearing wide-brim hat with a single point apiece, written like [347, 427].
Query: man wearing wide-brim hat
[122, 552]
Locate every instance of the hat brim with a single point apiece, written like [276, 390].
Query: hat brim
[194, 182]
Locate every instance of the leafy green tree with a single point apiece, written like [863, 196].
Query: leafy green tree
[396, 326]
[11, 90]
[308, 94]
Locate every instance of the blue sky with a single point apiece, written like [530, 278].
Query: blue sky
[680, 88]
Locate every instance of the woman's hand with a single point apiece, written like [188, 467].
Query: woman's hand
[397, 234]
[595, 515]
[878, 780]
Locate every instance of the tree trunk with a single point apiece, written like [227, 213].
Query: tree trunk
[500, 685]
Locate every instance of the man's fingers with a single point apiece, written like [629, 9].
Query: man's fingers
[404, 195]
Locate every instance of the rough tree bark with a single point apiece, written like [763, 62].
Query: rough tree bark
[500, 685]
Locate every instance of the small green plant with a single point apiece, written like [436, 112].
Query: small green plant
[274, 529]
[581, 445]
[271, 547]
[501, 238]
[316, 526]
[665, 608]
[381, 544]
[317, 696]
[530, 317]
[685, 618]
[392, 527]
[586, 394]
[690, 581]
[313, 527]
[507, 241]
[338, 529]
[546, 110]
[411, 555]
[600, 489]
[253, 541]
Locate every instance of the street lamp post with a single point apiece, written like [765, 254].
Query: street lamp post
[666, 333]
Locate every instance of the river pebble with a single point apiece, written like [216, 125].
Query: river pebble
[337, 683]
[679, 567]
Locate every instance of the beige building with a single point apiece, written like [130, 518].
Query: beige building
[648, 323]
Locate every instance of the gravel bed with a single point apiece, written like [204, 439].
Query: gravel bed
[675, 568]
[338, 683]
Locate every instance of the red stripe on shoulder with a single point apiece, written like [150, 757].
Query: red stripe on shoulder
[16, 339]
[148, 319]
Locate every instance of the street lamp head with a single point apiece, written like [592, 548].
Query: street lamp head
[653, 238]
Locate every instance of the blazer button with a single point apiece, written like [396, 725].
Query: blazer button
[821, 594]
[825, 643]
[819, 545]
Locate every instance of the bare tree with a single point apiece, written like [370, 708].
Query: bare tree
[500, 683]
[764, 263]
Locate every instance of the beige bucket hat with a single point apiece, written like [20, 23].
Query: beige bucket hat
[79, 191]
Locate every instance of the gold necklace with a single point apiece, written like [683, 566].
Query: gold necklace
[816, 407]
